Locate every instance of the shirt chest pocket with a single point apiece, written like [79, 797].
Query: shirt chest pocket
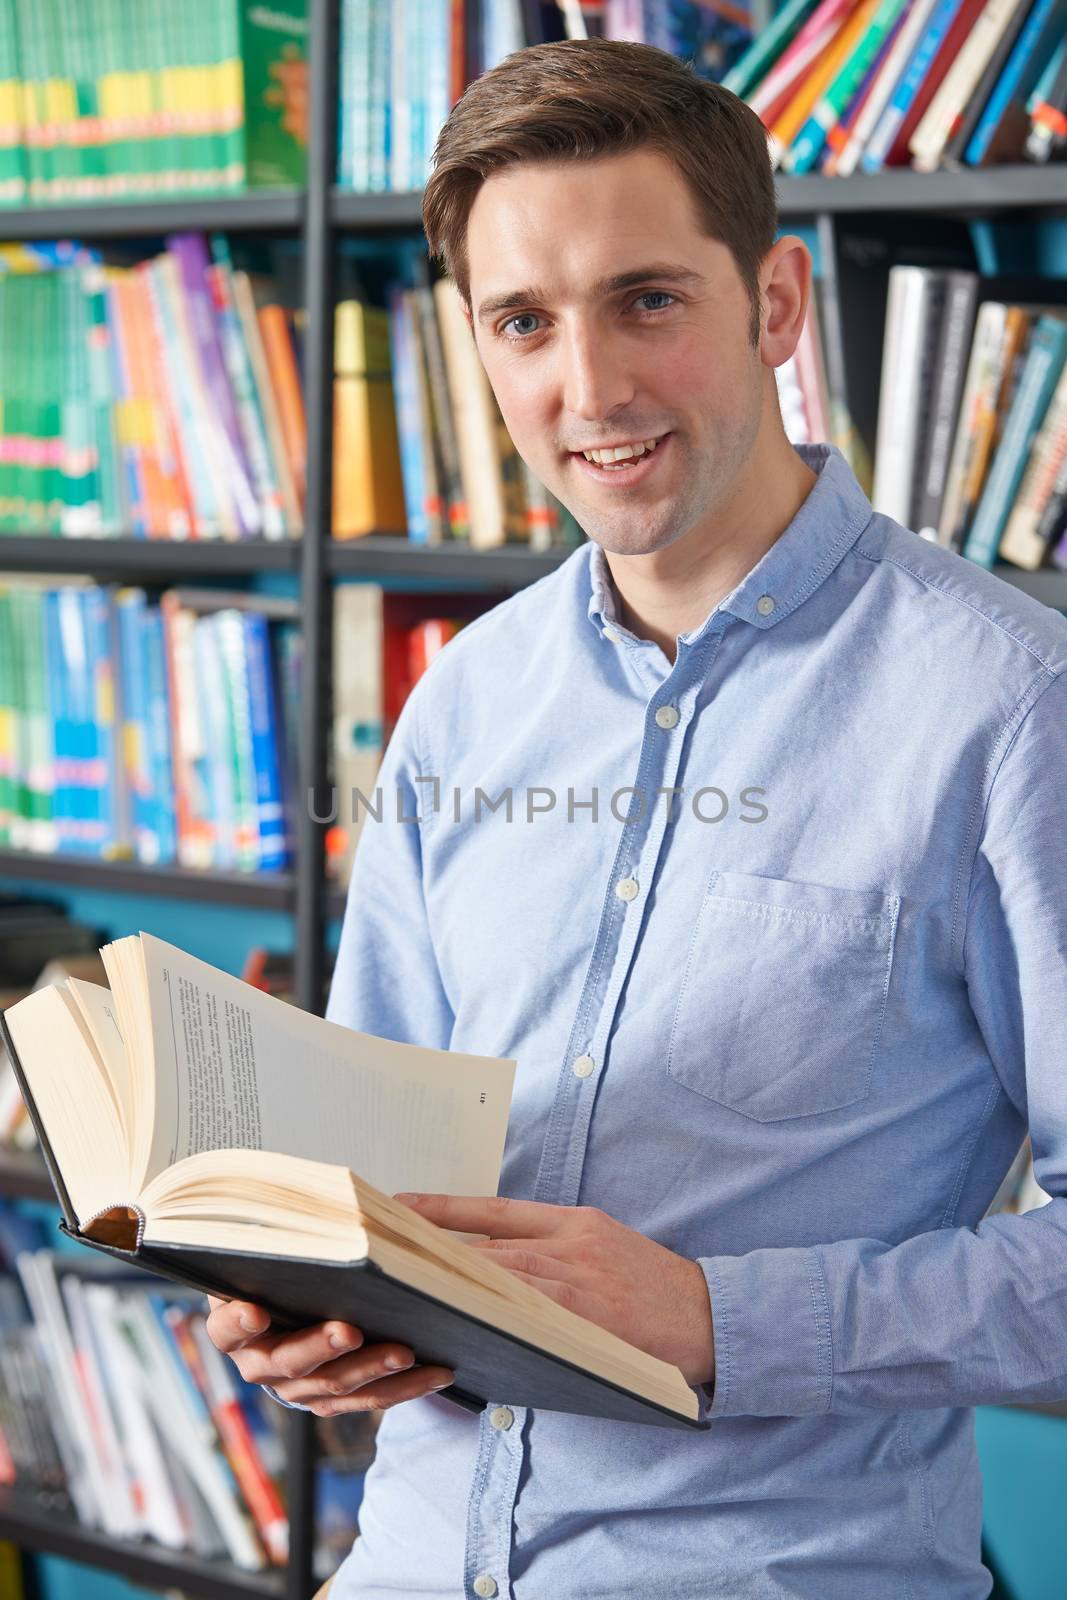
[783, 995]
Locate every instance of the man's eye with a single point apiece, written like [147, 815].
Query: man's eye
[531, 316]
[525, 316]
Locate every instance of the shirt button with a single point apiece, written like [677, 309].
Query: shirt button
[502, 1417]
[765, 605]
[484, 1585]
[667, 717]
[611, 636]
[626, 888]
[583, 1066]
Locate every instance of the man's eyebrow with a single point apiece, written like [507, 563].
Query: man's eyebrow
[665, 271]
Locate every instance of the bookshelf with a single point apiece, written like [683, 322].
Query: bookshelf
[319, 216]
[35, 1525]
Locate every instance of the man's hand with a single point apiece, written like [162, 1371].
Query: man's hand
[326, 1367]
[591, 1264]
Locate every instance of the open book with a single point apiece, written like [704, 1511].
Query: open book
[231, 1141]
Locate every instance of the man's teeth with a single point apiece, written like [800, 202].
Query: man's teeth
[621, 452]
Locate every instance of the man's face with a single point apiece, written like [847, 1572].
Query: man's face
[575, 363]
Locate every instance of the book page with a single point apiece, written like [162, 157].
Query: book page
[237, 1068]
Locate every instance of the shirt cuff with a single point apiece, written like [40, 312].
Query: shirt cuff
[773, 1356]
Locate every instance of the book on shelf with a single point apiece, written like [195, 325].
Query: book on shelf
[166, 1110]
[972, 414]
[402, 69]
[102, 101]
[383, 642]
[860, 85]
[164, 400]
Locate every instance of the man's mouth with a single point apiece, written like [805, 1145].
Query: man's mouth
[613, 458]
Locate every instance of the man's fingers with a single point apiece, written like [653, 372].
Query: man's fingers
[347, 1373]
[294, 1355]
[377, 1393]
[497, 1215]
[232, 1323]
[529, 1258]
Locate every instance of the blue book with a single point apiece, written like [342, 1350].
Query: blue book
[408, 416]
[57, 701]
[101, 775]
[919, 64]
[163, 826]
[130, 606]
[1034, 47]
[1044, 362]
[81, 728]
[273, 850]
[219, 754]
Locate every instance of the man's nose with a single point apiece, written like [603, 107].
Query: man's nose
[596, 379]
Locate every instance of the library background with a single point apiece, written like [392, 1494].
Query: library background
[214, 291]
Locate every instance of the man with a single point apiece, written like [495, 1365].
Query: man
[777, 928]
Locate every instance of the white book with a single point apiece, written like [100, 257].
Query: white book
[911, 31]
[936, 124]
[160, 1515]
[900, 397]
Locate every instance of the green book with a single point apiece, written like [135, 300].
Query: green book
[12, 153]
[273, 43]
[7, 722]
[36, 775]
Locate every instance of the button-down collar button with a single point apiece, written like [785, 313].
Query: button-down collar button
[626, 888]
[583, 1066]
[667, 717]
[611, 636]
[765, 605]
[484, 1586]
[502, 1417]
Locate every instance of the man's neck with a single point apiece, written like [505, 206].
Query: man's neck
[671, 591]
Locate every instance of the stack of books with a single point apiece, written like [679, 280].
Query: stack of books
[105, 101]
[157, 732]
[859, 85]
[114, 1400]
[163, 730]
[972, 417]
[153, 400]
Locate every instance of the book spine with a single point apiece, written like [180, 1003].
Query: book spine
[130, 605]
[1021, 542]
[828, 110]
[947, 379]
[190, 252]
[277, 337]
[219, 279]
[1044, 362]
[8, 713]
[230, 637]
[162, 813]
[1018, 76]
[266, 744]
[260, 1491]
[409, 430]
[892, 121]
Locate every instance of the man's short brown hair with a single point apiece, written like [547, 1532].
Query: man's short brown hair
[579, 99]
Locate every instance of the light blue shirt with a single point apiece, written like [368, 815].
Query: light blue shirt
[818, 1028]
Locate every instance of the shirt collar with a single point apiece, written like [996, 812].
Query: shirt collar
[828, 523]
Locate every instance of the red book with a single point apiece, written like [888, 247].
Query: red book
[964, 20]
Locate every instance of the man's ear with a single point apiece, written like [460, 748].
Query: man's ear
[785, 288]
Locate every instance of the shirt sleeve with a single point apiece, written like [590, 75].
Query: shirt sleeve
[386, 979]
[958, 1315]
